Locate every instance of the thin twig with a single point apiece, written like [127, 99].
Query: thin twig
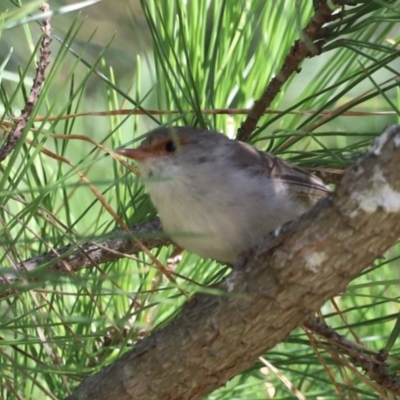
[310, 45]
[212, 111]
[376, 368]
[22, 120]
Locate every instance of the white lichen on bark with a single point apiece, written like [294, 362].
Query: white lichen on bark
[378, 143]
[314, 260]
[378, 195]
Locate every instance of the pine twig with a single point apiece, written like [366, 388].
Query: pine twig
[91, 253]
[310, 45]
[375, 368]
[44, 54]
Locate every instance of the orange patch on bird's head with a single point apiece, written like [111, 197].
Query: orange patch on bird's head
[154, 147]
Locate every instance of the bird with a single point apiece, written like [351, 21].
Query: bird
[217, 197]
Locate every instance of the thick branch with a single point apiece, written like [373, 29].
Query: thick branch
[286, 279]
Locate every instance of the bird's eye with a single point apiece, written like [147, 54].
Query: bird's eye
[170, 146]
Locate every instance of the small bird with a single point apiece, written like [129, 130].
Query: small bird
[215, 196]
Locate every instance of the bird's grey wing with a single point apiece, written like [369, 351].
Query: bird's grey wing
[300, 182]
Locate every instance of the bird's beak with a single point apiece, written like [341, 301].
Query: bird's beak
[136, 154]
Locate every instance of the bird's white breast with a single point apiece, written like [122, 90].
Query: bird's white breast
[235, 211]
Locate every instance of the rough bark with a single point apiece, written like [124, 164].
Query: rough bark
[272, 290]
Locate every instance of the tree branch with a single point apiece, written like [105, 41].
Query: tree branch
[93, 252]
[375, 367]
[268, 294]
[44, 54]
[310, 45]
